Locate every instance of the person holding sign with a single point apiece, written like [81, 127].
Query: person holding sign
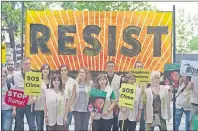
[7, 111]
[157, 103]
[19, 80]
[68, 84]
[40, 100]
[183, 102]
[104, 121]
[56, 99]
[129, 117]
[80, 99]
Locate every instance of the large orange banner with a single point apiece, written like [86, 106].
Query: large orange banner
[91, 38]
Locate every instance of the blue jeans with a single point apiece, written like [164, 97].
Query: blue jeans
[69, 119]
[142, 122]
[6, 120]
[178, 116]
[19, 124]
[39, 119]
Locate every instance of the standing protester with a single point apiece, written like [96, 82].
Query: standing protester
[183, 102]
[80, 99]
[104, 121]
[55, 105]
[10, 68]
[131, 116]
[142, 86]
[157, 104]
[18, 79]
[7, 111]
[40, 100]
[193, 98]
[68, 84]
[114, 81]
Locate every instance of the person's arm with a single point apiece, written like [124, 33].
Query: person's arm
[45, 111]
[140, 107]
[73, 96]
[66, 109]
[144, 105]
[113, 104]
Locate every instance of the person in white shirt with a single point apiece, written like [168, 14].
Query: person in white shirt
[193, 98]
[131, 116]
[55, 111]
[19, 80]
[156, 101]
[114, 81]
[80, 99]
[104, 121]
[7, 111]
[183, 102]
[68, 84]
[40, 100]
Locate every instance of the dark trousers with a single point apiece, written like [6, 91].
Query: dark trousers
[142, 122]
[39, 120]
[102, 125]
[128, 125]
[57, 128]
[115, 122]
[19, 123]
[81, 120]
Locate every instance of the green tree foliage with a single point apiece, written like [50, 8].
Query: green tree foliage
[107, 6]
[194, 43]
[185, 28]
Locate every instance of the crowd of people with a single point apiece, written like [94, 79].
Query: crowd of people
[63, 97]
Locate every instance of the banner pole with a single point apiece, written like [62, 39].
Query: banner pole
[174, 60]
[22, 28]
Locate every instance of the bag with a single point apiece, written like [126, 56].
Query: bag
[156, 120]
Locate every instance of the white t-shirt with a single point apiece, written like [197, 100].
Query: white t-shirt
[39, 105]
[69, 86]
[55, 106]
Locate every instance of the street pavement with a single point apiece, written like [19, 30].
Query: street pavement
[169, 124]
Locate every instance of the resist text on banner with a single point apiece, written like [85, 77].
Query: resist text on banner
[33, 83]
[189, 68]
[127, 95]
[91, 38]
[16, 98]
[141, 75]
[171, 74]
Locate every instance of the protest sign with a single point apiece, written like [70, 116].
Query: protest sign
[3, 53]
[16, 98]
[189, 68]
[141, 75]
[91, 38]
[171, 74]
[96, 100]
[33, 83]
[127, 95]
[18, 50]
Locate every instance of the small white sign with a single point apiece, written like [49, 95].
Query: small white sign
[189, 68]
